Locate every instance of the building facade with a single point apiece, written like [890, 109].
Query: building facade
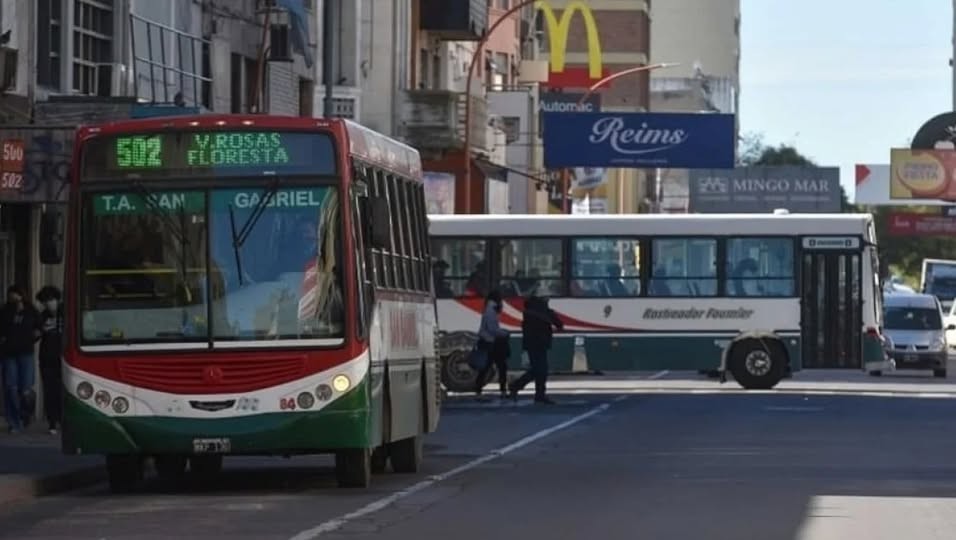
[72, 62]
[622, 33]
[704, 38]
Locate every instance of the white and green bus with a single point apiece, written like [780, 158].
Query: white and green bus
[757, 296]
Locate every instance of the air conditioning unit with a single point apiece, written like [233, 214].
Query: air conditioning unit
[113, 80]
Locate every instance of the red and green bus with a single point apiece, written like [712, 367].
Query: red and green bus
[247, 285]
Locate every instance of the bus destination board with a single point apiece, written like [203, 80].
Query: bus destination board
[208, 153]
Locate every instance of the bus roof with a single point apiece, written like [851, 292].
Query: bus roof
[649, 224]
[373, 147]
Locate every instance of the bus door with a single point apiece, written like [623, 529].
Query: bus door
[831, 302]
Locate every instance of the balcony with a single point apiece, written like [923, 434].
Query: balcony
[435, 120]
[455, 20]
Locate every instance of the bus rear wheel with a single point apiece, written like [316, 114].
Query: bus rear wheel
[407, 454]
[125, 472]
[758, 364]
[353, 468]
[457, 375]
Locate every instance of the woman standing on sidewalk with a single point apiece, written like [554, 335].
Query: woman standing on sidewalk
[51, 355]
[19, 331]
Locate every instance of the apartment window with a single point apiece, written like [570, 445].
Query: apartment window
[235, 83]
[436, 71]
[423, 58]
[306, 97]
[92, 43]
[49, 45]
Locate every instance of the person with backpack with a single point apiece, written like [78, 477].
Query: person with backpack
[537, 327]
[19, 331]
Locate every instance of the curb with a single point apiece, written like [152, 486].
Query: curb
[19, 488]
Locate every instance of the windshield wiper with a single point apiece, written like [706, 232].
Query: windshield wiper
[240, 236]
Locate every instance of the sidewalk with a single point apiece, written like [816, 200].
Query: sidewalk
[32, 465]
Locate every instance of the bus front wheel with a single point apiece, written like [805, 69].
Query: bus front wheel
[758, 364]
[205, 466]
[353, 468]
[125, 472]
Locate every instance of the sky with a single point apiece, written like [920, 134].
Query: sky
[844, 81]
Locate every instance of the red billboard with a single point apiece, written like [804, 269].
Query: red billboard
[913, 224]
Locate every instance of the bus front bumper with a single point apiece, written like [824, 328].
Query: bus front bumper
[343, 424]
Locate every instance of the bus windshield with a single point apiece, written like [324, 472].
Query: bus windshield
[230, 264]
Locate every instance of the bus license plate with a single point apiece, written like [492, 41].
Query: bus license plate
[211, 446]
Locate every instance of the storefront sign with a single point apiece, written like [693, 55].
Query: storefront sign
[665, 140]
[913, 224]
[764, 189]
[557, 32]
[916, 174]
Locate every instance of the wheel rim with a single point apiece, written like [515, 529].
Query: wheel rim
[458, 370]
[758, 363]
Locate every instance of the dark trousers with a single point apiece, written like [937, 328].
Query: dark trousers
[537, 372]
[52, 379]
[501, 364]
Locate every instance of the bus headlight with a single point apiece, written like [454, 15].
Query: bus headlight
[120, 405]
[84, 390]
[939, 344]
[305, 400]
[341, 383]
[323, 392]
[102, 398]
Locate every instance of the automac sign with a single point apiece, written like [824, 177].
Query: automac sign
[558, 29]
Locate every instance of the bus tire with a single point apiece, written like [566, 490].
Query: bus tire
[124, 472]
[758, 364]
[379, 456]
[353, 468]
[407, 454]
[205, 466]
[170, 468]
[456, 374]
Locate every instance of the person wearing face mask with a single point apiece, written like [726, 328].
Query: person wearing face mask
[51, 355]
[19, 331]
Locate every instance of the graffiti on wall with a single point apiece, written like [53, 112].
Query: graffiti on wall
[35, 164]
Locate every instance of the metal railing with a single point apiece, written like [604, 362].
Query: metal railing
[185, 65]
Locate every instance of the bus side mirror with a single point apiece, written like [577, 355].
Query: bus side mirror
[51, 236]
[381, 239]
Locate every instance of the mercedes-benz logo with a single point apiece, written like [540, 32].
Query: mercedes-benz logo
[212, 375]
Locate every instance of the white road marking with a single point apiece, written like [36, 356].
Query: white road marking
[375, 506]
[793, 409]
[658, 375]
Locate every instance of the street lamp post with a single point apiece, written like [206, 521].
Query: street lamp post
[466, 160]
[565, 173]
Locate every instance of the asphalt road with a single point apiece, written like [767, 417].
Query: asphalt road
[631, 465]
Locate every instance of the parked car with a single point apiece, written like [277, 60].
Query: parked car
[915, 335]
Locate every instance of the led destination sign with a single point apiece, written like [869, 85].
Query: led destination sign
[206, 153]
